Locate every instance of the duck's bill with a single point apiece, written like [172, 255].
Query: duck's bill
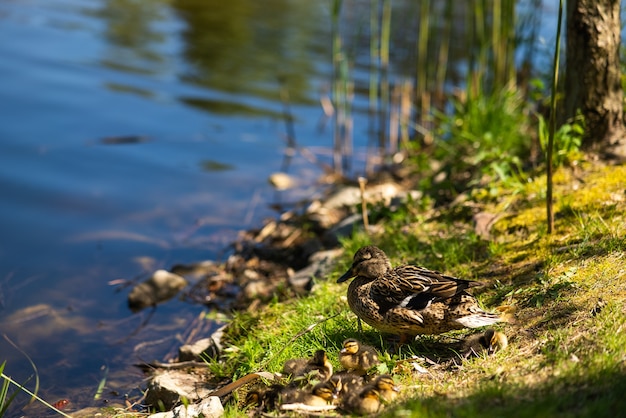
[347, 275]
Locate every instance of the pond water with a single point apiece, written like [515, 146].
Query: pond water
[138, 134]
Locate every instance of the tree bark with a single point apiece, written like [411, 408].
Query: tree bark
[593, 74]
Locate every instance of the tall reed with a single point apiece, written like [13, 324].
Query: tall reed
[550, 150]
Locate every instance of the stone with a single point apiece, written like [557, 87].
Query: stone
[202, 349]
[210, 407]
[320, 264]
[170, 386]
[282, 181]
[161, 286]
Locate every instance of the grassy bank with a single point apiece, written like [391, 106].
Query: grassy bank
[567, 351]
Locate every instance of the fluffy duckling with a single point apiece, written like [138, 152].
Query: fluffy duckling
[347, 383]
[263, 398]
[489, 342]
[357, 357]
[365, 402]
[336, 385]
[319, 363]
[386, 387]
[322, 394]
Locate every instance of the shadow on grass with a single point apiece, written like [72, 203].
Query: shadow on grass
[593, 395]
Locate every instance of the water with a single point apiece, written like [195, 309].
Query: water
[134, 135]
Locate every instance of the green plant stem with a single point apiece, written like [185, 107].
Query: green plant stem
[555, 79]
[22, 388]
[32, 364]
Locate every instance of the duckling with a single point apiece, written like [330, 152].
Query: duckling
[410, 300]
[366, 402]
[263, 398]
[348, 382]
[489, 342]
[254, 398]
[336, 386]
[319, 364]
[386, 387]
[322, 394]
[357, 357]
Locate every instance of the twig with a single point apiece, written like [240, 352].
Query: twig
[170, 366]
[362, 183]
[32, 364]
[225, 390]
[256, 198]
[307, 408]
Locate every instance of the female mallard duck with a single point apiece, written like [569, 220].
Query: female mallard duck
[357, 357]
[410, 300]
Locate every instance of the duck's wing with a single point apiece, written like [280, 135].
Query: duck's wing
[432, 281]
[415, 288]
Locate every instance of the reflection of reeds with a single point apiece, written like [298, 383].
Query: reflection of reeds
[385, 37]
[342, 91]
[404, 109]
[492, 67]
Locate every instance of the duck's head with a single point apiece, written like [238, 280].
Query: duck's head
[497, 341]
[370, 262]
[350, 346]
[336, 385]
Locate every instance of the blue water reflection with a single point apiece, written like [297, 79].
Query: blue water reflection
[79, 208]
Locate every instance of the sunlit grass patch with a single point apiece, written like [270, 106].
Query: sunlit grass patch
[567, 343]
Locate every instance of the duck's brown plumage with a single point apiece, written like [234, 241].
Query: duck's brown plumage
[410, 300]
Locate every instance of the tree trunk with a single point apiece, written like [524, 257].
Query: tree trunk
[593, 76]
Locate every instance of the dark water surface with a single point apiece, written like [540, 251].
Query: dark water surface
[134, 135]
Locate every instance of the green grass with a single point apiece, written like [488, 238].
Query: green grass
[565, 358]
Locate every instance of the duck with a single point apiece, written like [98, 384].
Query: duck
[386, 387]
[347, 382]
[322, 394]
[489, 342]
[357, 357]
[263, 398]
[410, 300]
[318, 364]
[365, 402]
